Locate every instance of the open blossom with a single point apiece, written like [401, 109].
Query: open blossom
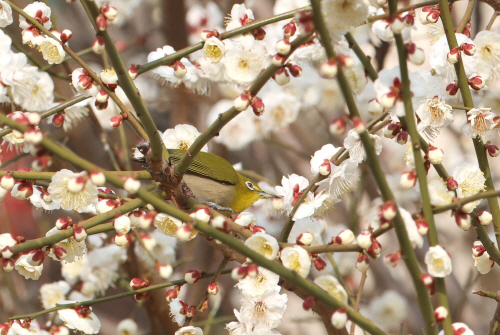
[291, 191]
[189, 330]
[438, 262]
[388, 310]
[353, 144]
[42, 199]
[75, 249]
[315, 205]
[264, 244]
[27, 270]
[297, 259]
[243, 66]
[331, 285]
[265, 310]
[213, 50]
[86, 322]
[340, 16]
[245, 326]
[281, 109]
[239, 17]
[83, 83]
[264, 283]
[68, 199]
[434, 113]
[444, 69]
[5, 14]
[470, 181]
[480, 121]
[439, 193]
[482, 260]
[38, 10]
[178, 311]
[169, 225]
[167, 73]
[51, 49]
[488, 51]
[181, 137]
[53, 293]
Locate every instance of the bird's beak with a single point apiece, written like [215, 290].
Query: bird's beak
[265, 195]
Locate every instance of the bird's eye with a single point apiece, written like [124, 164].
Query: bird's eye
[250, 185]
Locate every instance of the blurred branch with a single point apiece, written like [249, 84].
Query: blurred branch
[467, 16]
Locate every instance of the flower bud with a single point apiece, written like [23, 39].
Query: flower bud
[8, 264]
[180, 70]
[402, 138]
[256, 229]
[364, 239]
[204, 306]
[408, 179]
[478, 249]
[289, 29]
[219, 222]
[192, 276]
[325, 169]
[98, 46]
[422, 226]
[429, 14]
[252, 270]
[138, 283]
[452, 89]
[7, 181]
[97, 178]
[147, 219]
[172, 294]
[278, 60]
[191, 311]
[362, 263]
[409, 18]
[206, 34]
[257, 106]
[283, 47]
[463, 220]
[140, 297]
[493, 150]
[60, 253]
[66, 35]
[477, 83]
[485, 218]
[319, 264]
[122, 240]
[344, 237]
[392, 260]
[454, 55]
[239, 272]
[415, 55]
[184, 233]
[133, 72]
[259, 33]
[374, 107]
[345, 60]
[63, 223]
[451, 183]
[131, 185]
[441, 313]
[22, 190]
[244, 219]
[375, 249]
[77, 183]
[58, 120]
[294, 69]
[102, 96]
[308, 303]
[101, 22]
[305, 239]
[109, 77]
[281, 76]
[122, 224]
[164, 270]
[109, 12]
[388, 100]
[4, 328]
[468, 48]
[435, 155]
[381, 3]
[35, 257]
[33, 118]
[115, 121]
[339, 318]
[338, 126]
[398, 25]
[388, 210]
[329, 69]
[79, 233]
[203, 214]
[33, 136]
[359, 126]
[7, 252]
[242, 102]
[213, 288]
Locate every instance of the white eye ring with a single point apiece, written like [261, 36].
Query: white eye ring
[250, 186]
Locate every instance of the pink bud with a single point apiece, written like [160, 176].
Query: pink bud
[58, 120]
[256, 229]
[192, 276]
[338, 126]
[329, 69]
[281, 77]
[402, 138]
[138, 283]
[485, 218]
[278, 60]
[358, 124]
[109, 12]
[319, 264]
[180, 70]
[213, 288]
[283, 47]
[308, 303]
[289, 29]
[22, 190]
[252, 270]
[451, 183]
[468, 49]
[79, 233]
[463, 220]
[115, 121]
[33, 136]
[190, 312]
[339, 318]
[7, 252]
[478, 249]
[408, 179]
[452, 89]
[101, 22]
[375, 249]
[364, 239]
[35, 257]
[422, 226]
[392, 260]
[409, 18]
[326, 168]
[435, 155]
[206, 34]
[172, 294]
[477, 83]
[66, 35]
[374, 107]
[441, 313]
[259, 33]
[102, 96]
[362, 263]
[344, 237]
[133, 72]
[7, 181]
[8, 264]
[98, 46]
[239, 272]
[429, 14]
[388, 210]
[295, 70]
[63, 223]
[164, 270]
[454, 55]
[493, 150]
[257, 106]
[305, 239]
[60, 253]
[140, 297]
[242, 102]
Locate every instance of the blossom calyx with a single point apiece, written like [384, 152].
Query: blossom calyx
[116, 121]
[402, 138]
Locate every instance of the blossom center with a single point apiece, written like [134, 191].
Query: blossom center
[294, 262]
[264, 248]
[260, 310]
[168, 226]
[213, 52]
[479, 125]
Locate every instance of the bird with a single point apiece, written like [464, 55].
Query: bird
[214, 182]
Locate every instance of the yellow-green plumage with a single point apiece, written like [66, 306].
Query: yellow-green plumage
[213, 179]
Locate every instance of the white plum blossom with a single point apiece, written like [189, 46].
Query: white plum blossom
[439, 193]
[37, 10]
[6, 240]
[459, 328]
[213, 50]
[341, 16]
[315, 205]
[27, 270]
[127, 327]
[470, 181]
[281, 109]
[245, 326]
[382, 29]
[53, 293]
[414, 236]
[297, 259]
[480, 121]
[176, 306]
[240, 16]
[291, 191]
[167, 73]
[66, 198]
[243, 66]
[181, 137]
[264, 283]
[388, 310]
[483, 263]
[265, 310]
[88, 324]
[75, 114]
[83, 83]
[51, 49]
[75, 249]
[353, 144]
[438, 262]
[331, 285]
[199, 18]
[189, 330]
[264, 244]
[5, 14]
[488, 51]
[41, 199]
[434, 113]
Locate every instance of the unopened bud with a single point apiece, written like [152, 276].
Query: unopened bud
[477, 83]
[364, 239]
[7, 252]
[429, 14]
[60, 253]
[415, 55]
[172, 294]
[388, 210]
[180, 70]
[402, 138]
[131, 185]
[345, 60]
[7, 181]
[58, 120]
[97, 178]
[478, 249]
[435, 155]
[79, 233]
[122, 224]
[206, 34]
[308, 303]
[374, 107]
[203, 214]
[33, 118]
[454, 55]
[463, 220]
[344, 237]
[319, 264]
[468, 48]
[242, 102]
[219, 222]
[98, 46]
[109, 12]
[278, 60]
[441, 313]
[133, 72]
[122, 240]
[184, 233]
[33, 136]
[388, 100]
[8, 264]
[62, 223]
[362, 263]
[358, 124]
[289, 29]
[102, 96]
[305, 239]
[252, 270]
[239, 272]
[138, 283]
[452, 89]
[35, 257]
[427, 280]
[257, 106]
[375, 249]
[213, 288]
[326, 168]
[485, 218]
[329, 69]
[281, 77]
[392, 260]
[101, 22]
[338, 126]
[115, 121]
[164, 270]
[256, 229]
[493, 150]
[294, 69]
[204, 306]
[66, 35]
[408, 179]
[451, 183]
[398, 25]
[339, 318]
[283, 47]
[140, 297]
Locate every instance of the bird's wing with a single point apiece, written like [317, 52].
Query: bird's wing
[201, 166]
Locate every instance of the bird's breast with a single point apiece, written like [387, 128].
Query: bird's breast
[208, 190]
